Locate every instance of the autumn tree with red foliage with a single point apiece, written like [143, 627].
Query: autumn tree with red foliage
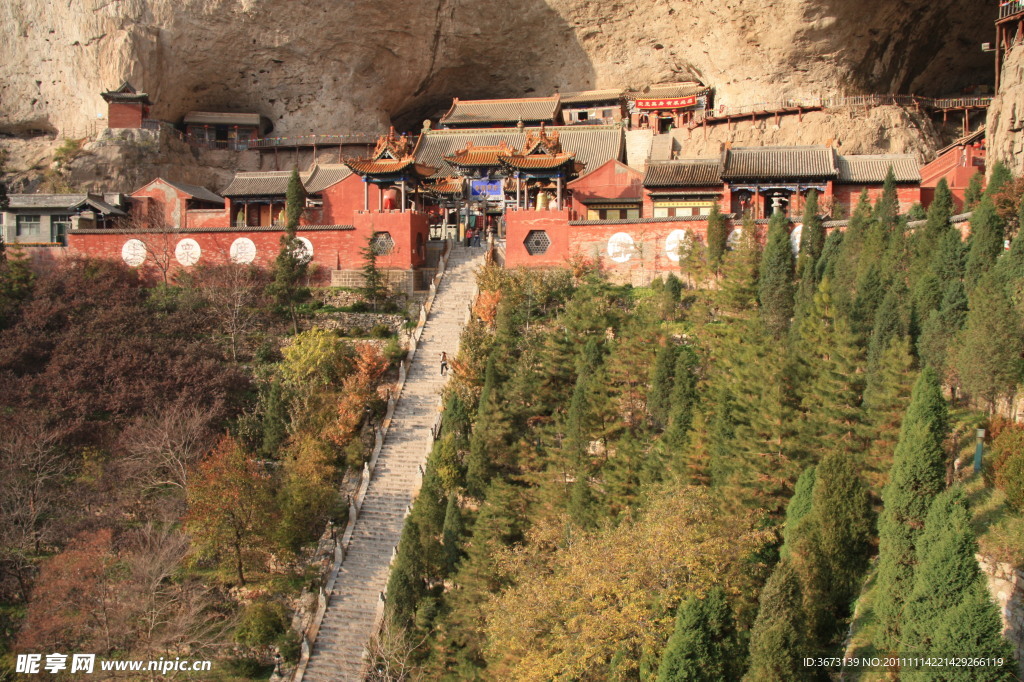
[230, 506]
[357, 390]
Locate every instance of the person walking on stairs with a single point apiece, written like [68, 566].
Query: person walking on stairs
[444, 363]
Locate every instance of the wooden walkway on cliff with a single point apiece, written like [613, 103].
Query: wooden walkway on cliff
[763, 110]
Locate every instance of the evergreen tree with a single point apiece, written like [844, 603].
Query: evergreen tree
[487, 441]
[451, 533]
[292, 262]
[988, 362]
[890, 323]
[740, 271]
[888, 206]
[826, 265]
[975, 188]
[936, 222]
[949, 608]
[917, 476]
[661, 384]
[582, 509]
[846, 270]
[775, 287]
[885, 400]
[683, 399]
[275, 420]
[375, 287]
[986, 241]
[778, 640]
[798, 508]
[812, 240]
[703, 647]
[717, 236]
[942, 327]
[1000, 177]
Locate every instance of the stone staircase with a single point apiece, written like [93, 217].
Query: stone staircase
[353, 603]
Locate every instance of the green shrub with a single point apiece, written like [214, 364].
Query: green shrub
[289, 644]
[248, 668]
[261, 624]
[394, 350]
[1007, 454]
[380, 331]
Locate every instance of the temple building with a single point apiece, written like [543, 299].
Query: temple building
[592, 106]
[126, 107]
[524, 111]
[46, 219]
[688, 187]
[225, 130]
[956, 163]
[667, 105]
[394, 170]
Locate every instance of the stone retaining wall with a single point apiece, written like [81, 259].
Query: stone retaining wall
[1006, 584]
[365, 321]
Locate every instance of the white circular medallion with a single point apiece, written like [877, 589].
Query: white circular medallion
[734, 238]
[133, 252]
[188, 252]
[621, 247]
[795, 236]
[243, 251]
[677, 242]
[304, 252]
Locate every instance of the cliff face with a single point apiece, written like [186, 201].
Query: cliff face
[1006, 115]
[326, 66]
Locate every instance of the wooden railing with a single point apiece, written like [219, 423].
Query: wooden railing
[1008, 9]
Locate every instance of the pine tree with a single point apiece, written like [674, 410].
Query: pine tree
[949, 608]
[778, 640]
[847, 267]
[717, 236]
[988, 362]
[826, 265]
[942, 327]
[917, 476]
[937, 221]
[487, 442]
[703, 647]
[683, 399]
[740, 271]
[581, 507]
[891, 322]
[294, 201]
[986, 242]
[975, 188]
[1000, 177]
[775, 287]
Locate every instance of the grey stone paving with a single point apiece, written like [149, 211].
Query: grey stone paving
[349, 620]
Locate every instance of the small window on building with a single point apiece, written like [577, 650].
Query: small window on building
[382, 243]
[28, 226]
[607, 113]
[583, 116]
[537, 242]
[59, 226]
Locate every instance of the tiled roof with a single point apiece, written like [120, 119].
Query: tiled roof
[874, 167]
[61, 202]
[196, 192]
[125, 93]
[324, 175]
[684, 173]
[446, 186]
[669, 90]
[592, 145]
[588, 96]
[537, 161]
[484, 111]
[249, 228]
[389, 166]
[235, 118]
[477, 156]
[261, 183]
[779, 163]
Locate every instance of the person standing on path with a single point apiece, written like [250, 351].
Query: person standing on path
[444, 364]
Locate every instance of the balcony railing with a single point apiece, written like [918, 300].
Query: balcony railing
[1008, 9]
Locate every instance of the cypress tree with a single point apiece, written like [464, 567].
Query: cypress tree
[890, 323]
[778, 640]
[936, 222]
[738, 292]
[798, 508]
[487, 440]
[847, 266]
[661, 384]
[986, 241]
[292, 263]
[885, 400]
[888, 206]
[941, 328]
[683, 398]
[974, 190]
[871, 289]
[775, 287]
[1000, 177]
[990, 346]
[917, 476]
[374, 289]
[949, 609]
[826, 265]
[294, 201]
[717, 237]
[581, 500]
[703, 647]
[451, 534]
[812, 240]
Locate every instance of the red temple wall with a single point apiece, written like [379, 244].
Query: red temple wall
[343, 199]
[125, 114]
[612, 180]
[848, 196]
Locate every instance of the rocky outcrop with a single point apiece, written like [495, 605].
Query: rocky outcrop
[326, 66]
[1006, 115]
[1006, 585]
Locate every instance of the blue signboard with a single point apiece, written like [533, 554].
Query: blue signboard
[492, 189]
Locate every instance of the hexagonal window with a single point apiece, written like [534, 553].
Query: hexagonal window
[382, 243]
[537, 242]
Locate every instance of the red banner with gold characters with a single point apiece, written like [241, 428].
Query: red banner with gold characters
[676, 103]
